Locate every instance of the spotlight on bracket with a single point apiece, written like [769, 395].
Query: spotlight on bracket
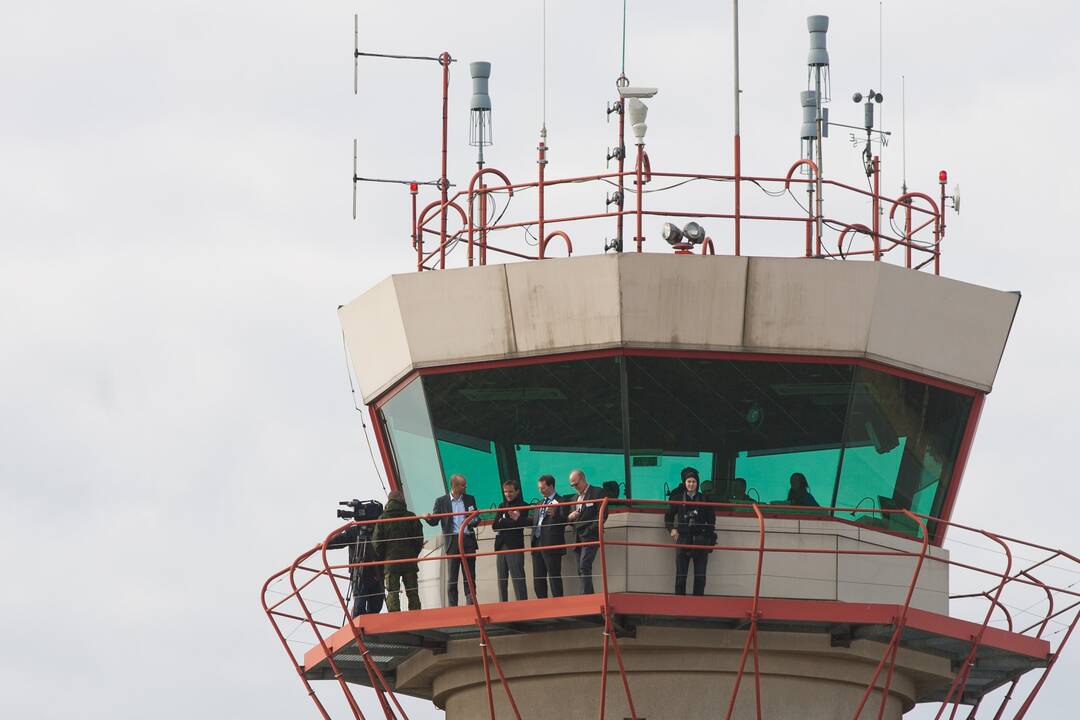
[693, 232]
[685, 239]
[671, 234]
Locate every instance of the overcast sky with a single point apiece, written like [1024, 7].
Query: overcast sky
[175, 421]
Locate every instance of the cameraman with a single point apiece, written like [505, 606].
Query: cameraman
[365, 583]
[690, 525]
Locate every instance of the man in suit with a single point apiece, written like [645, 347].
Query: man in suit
[548, 530]
[509, 526]
[585, 516]
[460, 503]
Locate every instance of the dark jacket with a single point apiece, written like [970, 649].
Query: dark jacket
[398, 540]
[587, 526]
[696, 524]
[509, 533]
[801, 497]
[552, 526]
[443, 505]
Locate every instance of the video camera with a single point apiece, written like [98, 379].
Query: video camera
[360, 510]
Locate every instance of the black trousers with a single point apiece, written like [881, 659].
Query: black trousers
[512, 565]
[585, 557]
[683, 557]
[547, 567]
[454, 569]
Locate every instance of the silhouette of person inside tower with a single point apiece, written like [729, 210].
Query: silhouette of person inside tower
[799, 494]
[738, 491]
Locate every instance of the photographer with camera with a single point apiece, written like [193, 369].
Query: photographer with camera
[401, 539]
[365, 583]
[690, 525]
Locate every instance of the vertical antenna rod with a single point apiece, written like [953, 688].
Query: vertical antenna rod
[738, 141]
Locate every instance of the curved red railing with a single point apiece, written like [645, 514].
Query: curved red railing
[1005, 591]
[922, 238]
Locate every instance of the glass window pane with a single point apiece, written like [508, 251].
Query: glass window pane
[901, 446]
[412, 448]
[521, 422]
[475, 460]
[760, 421]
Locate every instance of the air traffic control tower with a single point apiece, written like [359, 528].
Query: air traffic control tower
[867, 377]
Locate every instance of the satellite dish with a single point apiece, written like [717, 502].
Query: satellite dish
[956, 198]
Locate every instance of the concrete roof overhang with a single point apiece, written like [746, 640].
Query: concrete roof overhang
[932, 326]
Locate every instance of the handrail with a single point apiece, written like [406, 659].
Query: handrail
[641, 173]
[1007, 582]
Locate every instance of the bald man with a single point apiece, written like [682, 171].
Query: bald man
[460, 504]
[585, 516]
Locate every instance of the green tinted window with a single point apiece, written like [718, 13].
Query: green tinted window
[478, 463]
[517, 423]
[902, 440]
[412, 448]
[599, 467]
[862, 438]
[760, 421]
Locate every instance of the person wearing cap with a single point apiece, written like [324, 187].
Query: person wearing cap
[398, 541]
[690, 525]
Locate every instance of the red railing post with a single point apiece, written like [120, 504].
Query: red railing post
[960, 682]
[541, 165]
[444, 183]
[486, 648]
[639, 238]
[876, 208]
[751, 637]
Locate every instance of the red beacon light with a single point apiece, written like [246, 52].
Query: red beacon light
[943, 177]
[415, 187]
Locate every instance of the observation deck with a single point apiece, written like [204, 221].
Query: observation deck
[865, 377]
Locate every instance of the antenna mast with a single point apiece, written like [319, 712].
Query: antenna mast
[738, 140]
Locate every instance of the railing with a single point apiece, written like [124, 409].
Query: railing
[916, 220]
[1002, 595]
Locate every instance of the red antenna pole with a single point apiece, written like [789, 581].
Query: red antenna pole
[738, 140]
[444, 184]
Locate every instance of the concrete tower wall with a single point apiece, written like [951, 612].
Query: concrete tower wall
[931, 325]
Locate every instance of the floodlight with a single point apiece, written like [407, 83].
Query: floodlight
[694, 233]
[671, 234]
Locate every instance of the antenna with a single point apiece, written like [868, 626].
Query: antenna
[444, 60]
[903, 133]
[354, 179]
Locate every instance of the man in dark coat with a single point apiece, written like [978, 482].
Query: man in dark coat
[586, 518]
[690, 525]
[399, 540]
[460, 503]
[549, 530]
[509, 535]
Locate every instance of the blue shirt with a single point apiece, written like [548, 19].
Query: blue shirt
[458, 505]
[541, 515]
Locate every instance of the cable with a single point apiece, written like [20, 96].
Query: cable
[356, 406]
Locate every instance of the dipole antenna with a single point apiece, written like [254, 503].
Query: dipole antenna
[444, 60]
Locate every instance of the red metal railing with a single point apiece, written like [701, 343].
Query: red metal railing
[1001, 589]
[920, 234]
